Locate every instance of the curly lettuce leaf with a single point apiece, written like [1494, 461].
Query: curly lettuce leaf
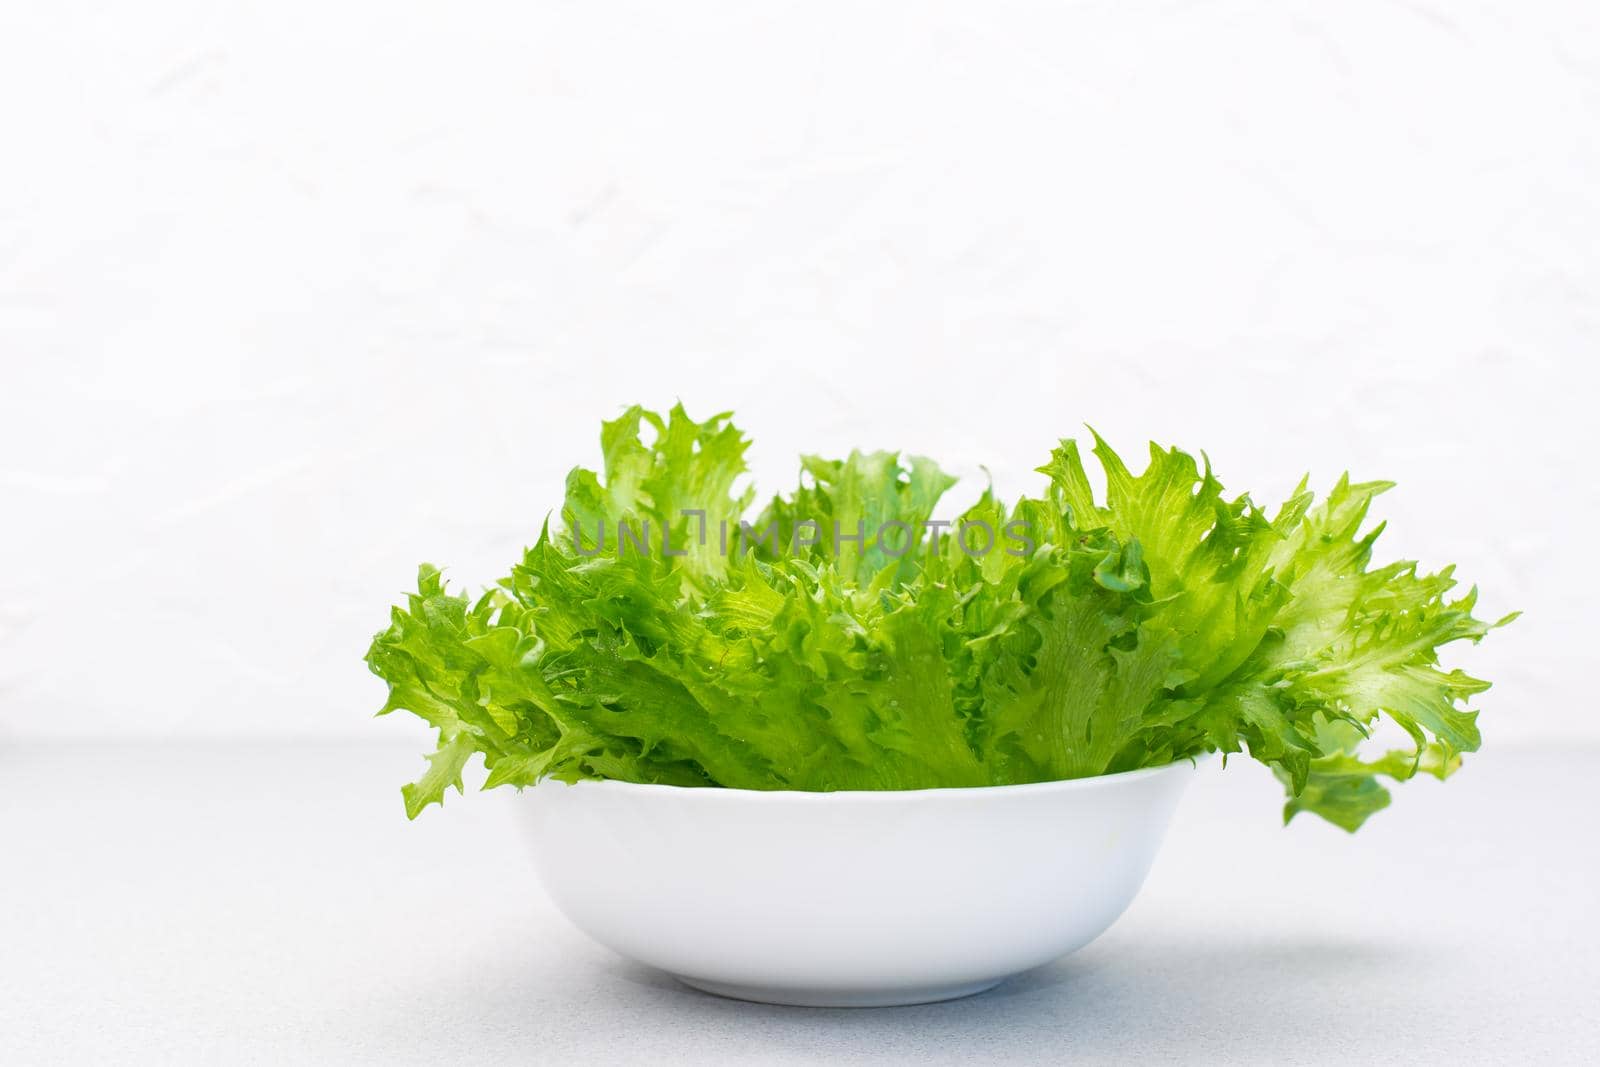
[842, 639]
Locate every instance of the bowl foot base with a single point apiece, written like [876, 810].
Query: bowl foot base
[823, 997]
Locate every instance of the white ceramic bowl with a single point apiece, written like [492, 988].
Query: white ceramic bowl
[851, 898]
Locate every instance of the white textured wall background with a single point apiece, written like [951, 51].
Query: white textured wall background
[294, 295]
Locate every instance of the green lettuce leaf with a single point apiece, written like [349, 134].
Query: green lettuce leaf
[843, 639]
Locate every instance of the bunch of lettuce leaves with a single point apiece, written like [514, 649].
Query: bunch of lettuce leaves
[653, 638]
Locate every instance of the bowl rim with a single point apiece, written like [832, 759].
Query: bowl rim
[724, 794]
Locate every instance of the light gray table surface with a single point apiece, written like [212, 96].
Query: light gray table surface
[270, 903]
